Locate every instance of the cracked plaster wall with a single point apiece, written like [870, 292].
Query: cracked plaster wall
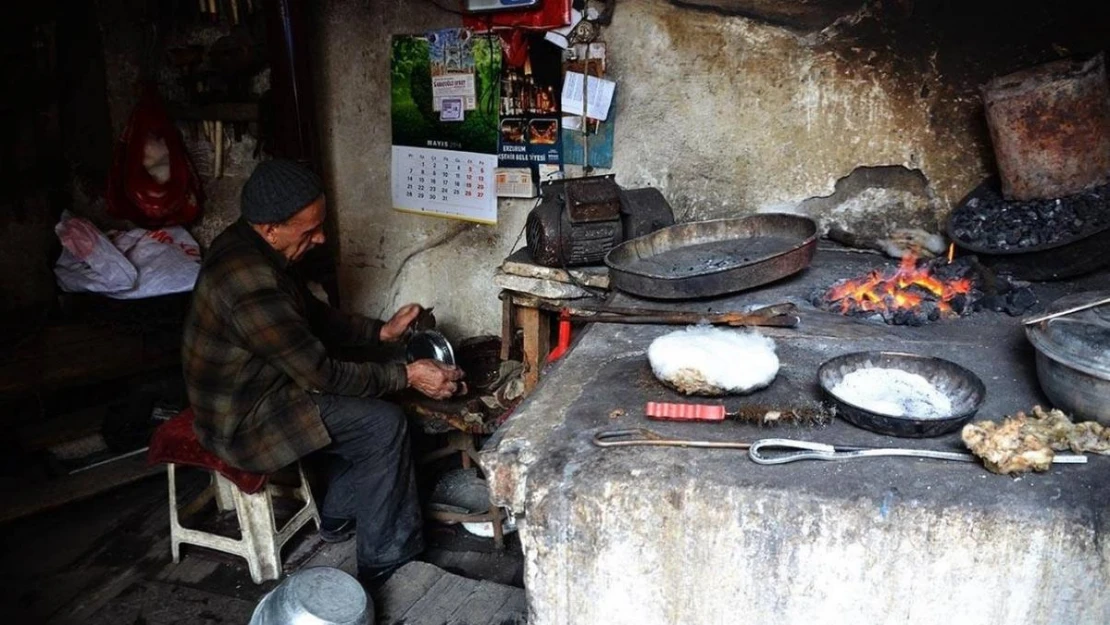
[388, 258]
[726, 115]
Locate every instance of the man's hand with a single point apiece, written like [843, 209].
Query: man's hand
[434, 379]
[399, 323]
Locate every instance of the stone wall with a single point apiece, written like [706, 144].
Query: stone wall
[727, 107]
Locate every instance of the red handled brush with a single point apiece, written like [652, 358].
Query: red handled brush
[762, 415]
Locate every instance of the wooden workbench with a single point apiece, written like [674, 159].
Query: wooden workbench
[531, 297]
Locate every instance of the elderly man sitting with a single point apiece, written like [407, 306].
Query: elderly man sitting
[266, 392]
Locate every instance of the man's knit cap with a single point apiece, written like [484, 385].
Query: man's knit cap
[277, 190]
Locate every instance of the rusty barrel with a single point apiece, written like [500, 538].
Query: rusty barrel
[1050, 126]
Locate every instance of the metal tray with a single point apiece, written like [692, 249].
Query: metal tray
[963, 388]
[1054, 261]
[708, 258]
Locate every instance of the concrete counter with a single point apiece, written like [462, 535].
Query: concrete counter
[669, 535]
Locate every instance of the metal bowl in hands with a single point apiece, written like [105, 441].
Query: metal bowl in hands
[430, 344]
[963, 389]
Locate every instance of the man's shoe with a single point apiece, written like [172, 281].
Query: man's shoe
[333, 530]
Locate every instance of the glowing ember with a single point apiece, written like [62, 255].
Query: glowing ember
[912, 288]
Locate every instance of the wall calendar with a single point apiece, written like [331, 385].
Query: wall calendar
[444, 155]
[445, 182]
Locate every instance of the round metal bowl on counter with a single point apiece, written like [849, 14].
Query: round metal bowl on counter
[1071, 255]
[963, 389]
[1073, 357]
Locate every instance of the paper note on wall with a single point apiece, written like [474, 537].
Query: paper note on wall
[453, 86]
[598, 95]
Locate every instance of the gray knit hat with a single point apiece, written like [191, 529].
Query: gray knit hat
[277, 190]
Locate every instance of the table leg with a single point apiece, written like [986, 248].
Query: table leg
[508, 327]
[498, 527]
[536, 325]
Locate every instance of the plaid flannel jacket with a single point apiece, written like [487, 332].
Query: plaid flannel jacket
[254, 348]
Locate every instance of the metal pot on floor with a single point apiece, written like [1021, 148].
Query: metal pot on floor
[320, 595]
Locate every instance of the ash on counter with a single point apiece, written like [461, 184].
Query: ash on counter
[987, 221]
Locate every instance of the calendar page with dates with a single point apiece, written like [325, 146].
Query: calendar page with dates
[446, 183]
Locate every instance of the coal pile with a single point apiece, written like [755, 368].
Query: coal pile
[989, 222]
[925, 292]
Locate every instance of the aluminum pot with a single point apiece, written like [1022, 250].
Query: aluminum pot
[1073, 357]
[315, 596]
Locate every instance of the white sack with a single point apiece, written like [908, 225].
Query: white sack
[132, 264]
[89, 262]
[168, 261]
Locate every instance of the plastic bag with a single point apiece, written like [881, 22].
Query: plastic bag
[131, 264]
[89, 261]
[168, 261]
[152, 181]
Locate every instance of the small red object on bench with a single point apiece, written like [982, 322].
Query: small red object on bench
[663, 411]
[563, 344]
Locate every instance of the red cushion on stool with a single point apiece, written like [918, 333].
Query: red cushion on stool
[174, 441]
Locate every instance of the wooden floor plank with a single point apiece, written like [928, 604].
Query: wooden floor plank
[407, 586]
[441, 601]
[336, 555]
[156, 603]
[483, 605]
[514, 610]
[495, 566]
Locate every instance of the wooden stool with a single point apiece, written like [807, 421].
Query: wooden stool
[463, 443]
[250, 495]
[442, 417]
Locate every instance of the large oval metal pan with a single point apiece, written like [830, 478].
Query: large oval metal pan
[709, 258]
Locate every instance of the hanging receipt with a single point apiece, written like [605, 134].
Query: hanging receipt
[598, 91]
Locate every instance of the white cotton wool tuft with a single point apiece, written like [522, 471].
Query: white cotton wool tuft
[703, 360]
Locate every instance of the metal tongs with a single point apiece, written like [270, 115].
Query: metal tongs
[1067, 311]
[783, 450]
[646, 437]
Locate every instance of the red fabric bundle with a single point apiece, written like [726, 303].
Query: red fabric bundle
[133, 192]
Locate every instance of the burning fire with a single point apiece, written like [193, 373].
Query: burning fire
[904, 290]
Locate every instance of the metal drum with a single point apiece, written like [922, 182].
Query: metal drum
[315, 596]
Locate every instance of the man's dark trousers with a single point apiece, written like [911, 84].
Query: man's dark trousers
[371, 478]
